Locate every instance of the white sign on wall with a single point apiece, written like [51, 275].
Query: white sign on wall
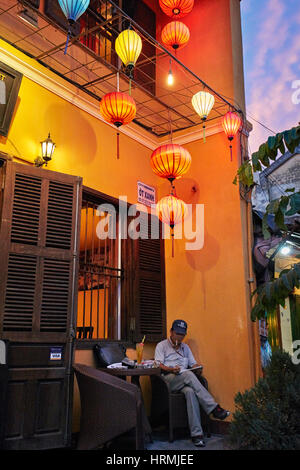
[146, 194]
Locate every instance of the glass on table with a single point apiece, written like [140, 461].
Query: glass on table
[139, 352]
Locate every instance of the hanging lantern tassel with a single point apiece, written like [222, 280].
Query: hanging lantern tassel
[118, 145]
[230, 146]
[172, 235]
[68, 39]
[204, 139]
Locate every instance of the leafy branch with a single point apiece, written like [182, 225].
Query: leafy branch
[285, 206]
[267, 152]
[274, 293]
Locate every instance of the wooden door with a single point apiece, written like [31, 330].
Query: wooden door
[38, 287]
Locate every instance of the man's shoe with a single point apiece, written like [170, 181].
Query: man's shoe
[198, 441]
[220, 413]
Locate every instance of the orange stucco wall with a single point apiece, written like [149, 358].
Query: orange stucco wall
[208, 287]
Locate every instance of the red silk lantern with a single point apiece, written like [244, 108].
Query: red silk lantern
[176, 8]
[175, 34]
[170, 161]
[231, 123]
[171, 210]
[119, 109]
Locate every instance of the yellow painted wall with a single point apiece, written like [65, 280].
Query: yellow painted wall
[208, 288]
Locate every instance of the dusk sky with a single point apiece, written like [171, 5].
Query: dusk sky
[271, 40]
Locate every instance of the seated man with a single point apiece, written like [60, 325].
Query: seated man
[173, 357]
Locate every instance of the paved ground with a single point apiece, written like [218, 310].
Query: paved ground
[160, 442]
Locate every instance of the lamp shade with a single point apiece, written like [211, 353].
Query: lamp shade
[231, 123]
[170, 161]
[171, 210]
[176, 8]
[203, 103]
[118, 108]
[128, 47]
[175, 34]
[47, 148]
[73, 9]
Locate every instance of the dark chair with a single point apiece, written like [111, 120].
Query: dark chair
[109, 408]
[109, 354]
[173, 404]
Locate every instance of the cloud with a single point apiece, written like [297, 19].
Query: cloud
[272, 68]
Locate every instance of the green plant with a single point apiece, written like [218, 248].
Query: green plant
[267, 416]
[273, 293]
[268, 152]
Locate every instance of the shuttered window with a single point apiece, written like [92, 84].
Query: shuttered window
[137, 285]
[38, 238]
[147, 311]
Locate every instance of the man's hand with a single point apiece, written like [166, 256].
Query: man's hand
[171, 370]
[197, 371]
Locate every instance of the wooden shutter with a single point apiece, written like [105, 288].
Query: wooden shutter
[147, 311]
[38, 238]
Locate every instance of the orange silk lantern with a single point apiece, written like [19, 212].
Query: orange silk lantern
[231, 123]
[170, 161]
[175, 34]
[119, 109]
[171, 210]
[176, 8]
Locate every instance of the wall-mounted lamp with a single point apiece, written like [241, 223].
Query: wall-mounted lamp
[48, 147]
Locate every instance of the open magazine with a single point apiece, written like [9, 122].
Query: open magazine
[192, 368]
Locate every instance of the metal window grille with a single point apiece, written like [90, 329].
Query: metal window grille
[99, 274]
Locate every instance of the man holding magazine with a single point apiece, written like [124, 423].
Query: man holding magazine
[177, 362]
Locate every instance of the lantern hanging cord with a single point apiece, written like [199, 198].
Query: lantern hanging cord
[170, 121]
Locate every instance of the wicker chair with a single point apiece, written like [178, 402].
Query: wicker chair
[173, 404]
[109, 407]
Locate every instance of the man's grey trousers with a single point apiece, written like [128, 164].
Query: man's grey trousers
[195, 394]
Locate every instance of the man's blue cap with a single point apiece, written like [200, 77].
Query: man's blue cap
[179, 326]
